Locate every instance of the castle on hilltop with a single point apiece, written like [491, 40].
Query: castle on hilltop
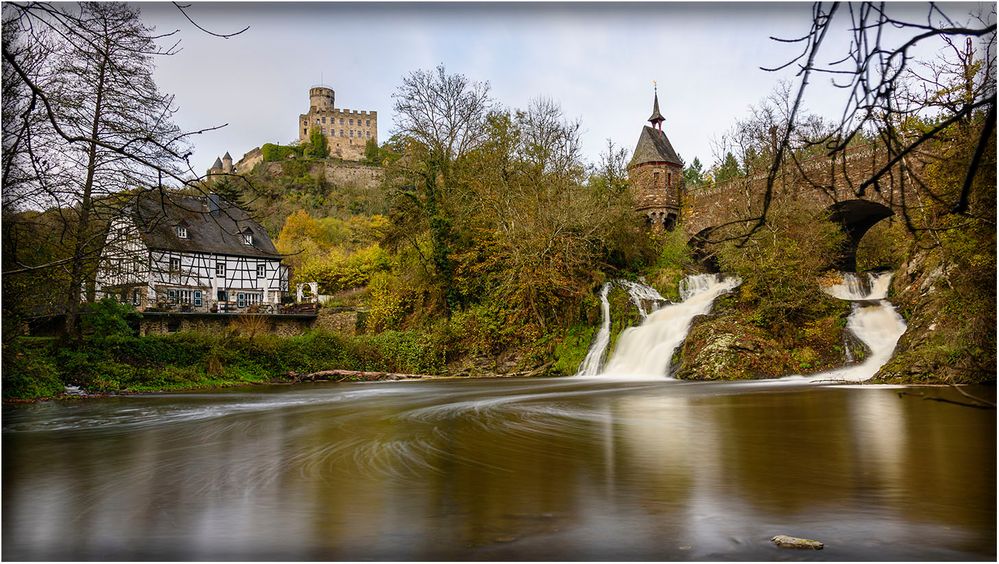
[346, 131]
[656, 174]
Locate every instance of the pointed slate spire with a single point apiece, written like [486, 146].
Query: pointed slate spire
[226, 157]
[218, 163]
[657, 118]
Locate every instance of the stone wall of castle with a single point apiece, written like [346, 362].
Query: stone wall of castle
[354, 174]
[249, 161]
[340, 173]
[346, 131]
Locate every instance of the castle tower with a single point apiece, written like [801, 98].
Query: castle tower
[216, 168]
[347, 131]
[656, 174]
[321, 98]
[227, 163]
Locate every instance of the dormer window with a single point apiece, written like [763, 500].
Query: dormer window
[182, 232]
[247, 236]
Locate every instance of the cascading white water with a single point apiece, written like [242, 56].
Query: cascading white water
[873, 320]
[640, 293]
[646, 350]
[591, 364]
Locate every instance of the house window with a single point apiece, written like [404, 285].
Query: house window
[136, 297]
[240, 299]
[261, 270]
[182, 232]
[197, 298]
[172, 296]
[247, 238]
[174, 264]
[221, 295]
[220, 269]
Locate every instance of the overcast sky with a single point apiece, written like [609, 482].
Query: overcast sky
[597, 60]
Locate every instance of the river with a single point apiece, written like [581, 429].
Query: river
[601, 468]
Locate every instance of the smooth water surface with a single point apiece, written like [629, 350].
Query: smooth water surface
[542, 469]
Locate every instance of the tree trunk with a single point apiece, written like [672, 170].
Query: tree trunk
[71, 330]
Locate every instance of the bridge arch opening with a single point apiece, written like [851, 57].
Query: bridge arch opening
[855, 218]
[699, 250]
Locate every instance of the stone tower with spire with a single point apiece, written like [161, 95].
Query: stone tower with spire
[656, 174]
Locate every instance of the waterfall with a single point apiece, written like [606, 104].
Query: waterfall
[646, 350]
[873, 320]
[640, 293]
[591, 364]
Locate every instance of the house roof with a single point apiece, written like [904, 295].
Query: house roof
[157, 215]
[654, 147]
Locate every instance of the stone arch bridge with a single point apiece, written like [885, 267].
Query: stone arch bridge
[820, 183]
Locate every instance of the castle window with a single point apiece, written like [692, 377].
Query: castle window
[655, 179]
[317, 121]
[351, 132]
[341, 121]
[305, 131]
[341, 131]
[367, 122]
[351, 122]
[669, 180]
[367, 134]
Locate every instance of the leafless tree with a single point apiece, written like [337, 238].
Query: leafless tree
[879, 71]
[85, 124]
[441, 117]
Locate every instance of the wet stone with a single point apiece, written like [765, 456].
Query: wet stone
[785, 541]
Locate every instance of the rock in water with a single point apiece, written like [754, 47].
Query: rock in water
[785, 541]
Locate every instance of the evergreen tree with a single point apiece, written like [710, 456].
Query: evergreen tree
[693, 175]
[727, 169]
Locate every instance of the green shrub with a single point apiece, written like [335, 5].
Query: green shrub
[29, 373]
[108, 317]
[272, 152]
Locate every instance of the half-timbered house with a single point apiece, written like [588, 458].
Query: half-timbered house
[191, 253]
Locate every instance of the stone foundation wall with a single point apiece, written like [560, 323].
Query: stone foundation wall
[249, 324]
[338, 320]
[345, 321]
[347, 174]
